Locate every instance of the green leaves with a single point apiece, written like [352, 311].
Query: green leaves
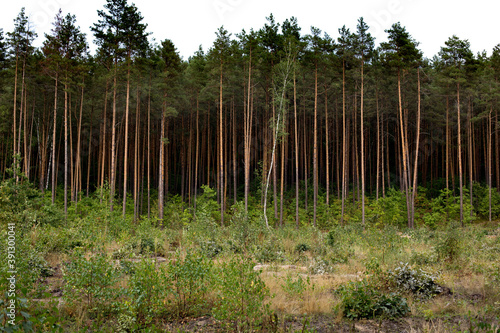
[241, 293]
[401, 50]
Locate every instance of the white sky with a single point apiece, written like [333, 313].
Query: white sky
[190, 23]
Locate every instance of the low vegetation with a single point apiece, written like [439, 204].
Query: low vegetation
[98, 272]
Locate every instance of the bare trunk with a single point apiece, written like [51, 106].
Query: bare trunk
[415, 167]
[362, 148]
[460, 158]
[125, 154]
[343, 145]
[296, 153]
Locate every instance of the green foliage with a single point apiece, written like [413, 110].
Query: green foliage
[241, 294]
[320, 266]
[448, 206]
[423, 258]
[21, 203]
[449, 246]
[414, 280]
[295, 286]
[90, 282]
[190, 279]
[302, 247]
[482, 201]
[390, 210]
[146, 290]
[242, 229]
[360, 299]
[270, 251]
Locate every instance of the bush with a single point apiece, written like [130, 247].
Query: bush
[270, 251]
[295, 287]
[241, 294]
[90, 282]
[450, 246]
[147, 290]
[414, 280]
[360, 299]
[190, 279]
[300, 248]
[320, 267]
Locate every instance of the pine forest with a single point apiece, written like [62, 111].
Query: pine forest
[281, 180]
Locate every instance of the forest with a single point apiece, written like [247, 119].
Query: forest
[278, 181]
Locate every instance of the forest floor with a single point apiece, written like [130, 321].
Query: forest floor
[312, 280]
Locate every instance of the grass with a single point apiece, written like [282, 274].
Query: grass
[302, 270]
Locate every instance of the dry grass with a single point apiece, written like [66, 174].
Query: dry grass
[317, 297]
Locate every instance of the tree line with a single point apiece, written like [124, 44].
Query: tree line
[300, 119]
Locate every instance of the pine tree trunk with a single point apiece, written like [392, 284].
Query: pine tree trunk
[113, 144]
[327, 147]
[78, 144]
[315, 144]
[136, 158]
[489, 163]
[470, 133]
[378, 148]
[161, 167]
[403, 148]
[149, 149]
[15, 123]
[235, 197]
[221, 152]
[53, 142]
[343, 146]
[362, 148]
[296, 152]
[66, 149]
[125, 155]
[460, 158]
[415, 168]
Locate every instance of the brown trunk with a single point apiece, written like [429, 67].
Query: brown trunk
[415, 167]
[315, 144]
[460, 158]
[113, 143]
[343, 146]
[66, 149]
[125, 142]
[136, 158]
[362, 148]
[221, 152]
[296, 153]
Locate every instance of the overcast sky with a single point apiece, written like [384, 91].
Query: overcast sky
[190, 23]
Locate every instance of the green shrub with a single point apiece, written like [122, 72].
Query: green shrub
[241, 294]
[423, 258]
[414, 280]
[190, 279]
[360, 299]
[295, 287]
[449, 246]
[270, 251]
[320, 266]
[147, 291]
[302, 247]
[211, 248]
[90, 282]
